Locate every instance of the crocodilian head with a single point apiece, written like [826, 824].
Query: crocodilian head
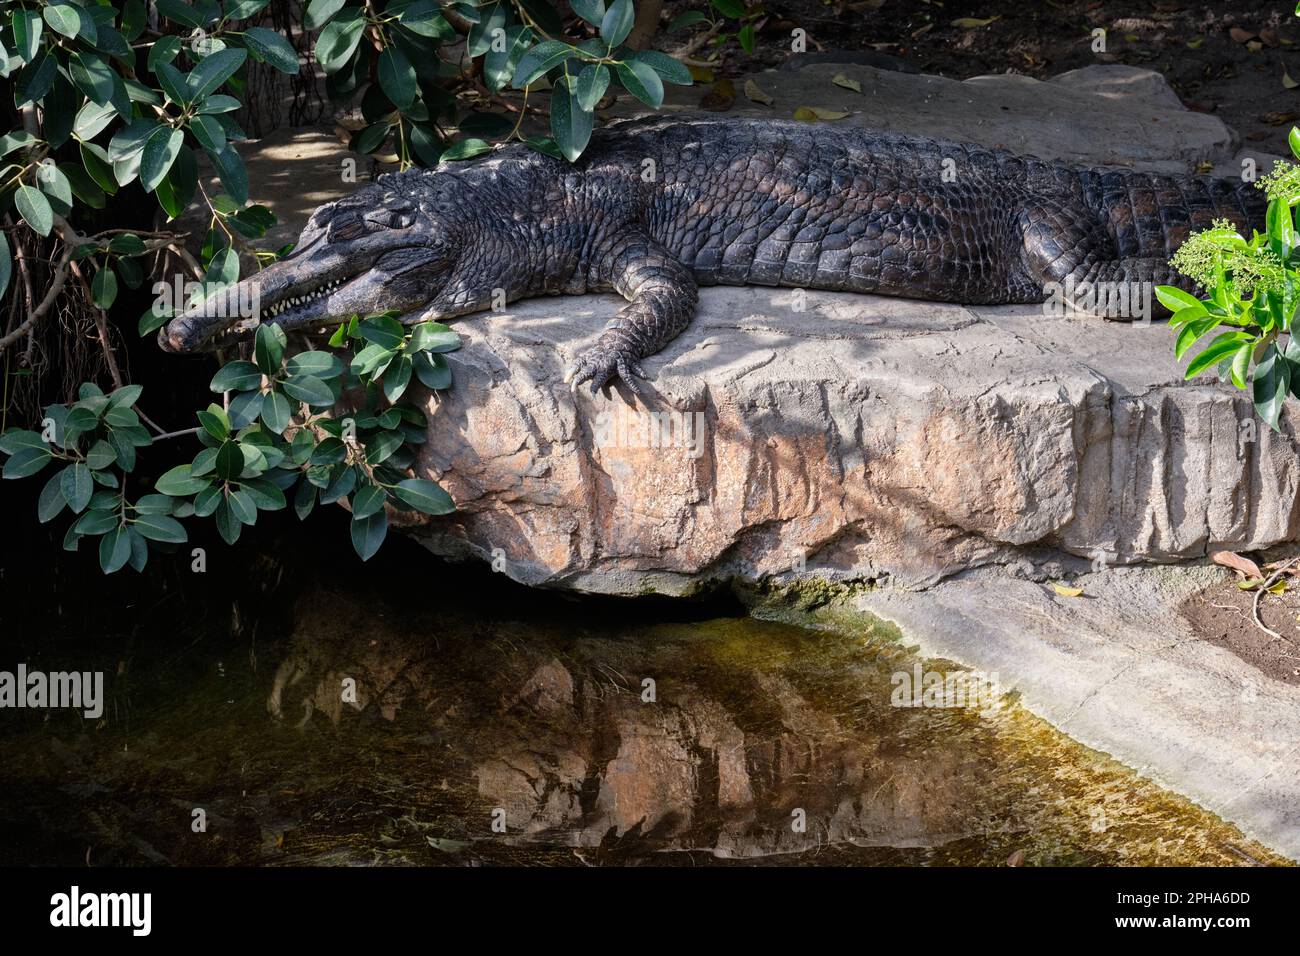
[376, 250]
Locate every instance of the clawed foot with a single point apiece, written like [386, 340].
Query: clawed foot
[601, 365]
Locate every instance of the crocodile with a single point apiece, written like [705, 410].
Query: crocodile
[656, 208]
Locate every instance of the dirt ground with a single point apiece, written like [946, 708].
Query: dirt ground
[1223, 615]
[1233, 60]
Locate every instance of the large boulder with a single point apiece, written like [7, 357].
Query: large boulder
[862, 436]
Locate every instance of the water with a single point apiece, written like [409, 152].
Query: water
[477, 701]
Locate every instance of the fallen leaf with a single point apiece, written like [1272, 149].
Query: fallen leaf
[847, 82]
[970, 23]
[701, 74]
[1287, 82]
[1195, 44]
[720, 97]
[1254, 46]
[447, 846]
[920, 31]
[1243, 566]
[1240, 36]
[755, 93]
[1250, 584]
[1277, 118]
[813, 113]
[1203, 167]
[1278, 587]
[1067, 591]
[1016, 859]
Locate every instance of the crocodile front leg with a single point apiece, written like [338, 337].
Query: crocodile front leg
[661, 294]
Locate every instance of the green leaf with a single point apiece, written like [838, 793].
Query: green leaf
[93, 76]
[237, 376]
[179, 12]
[154, 505]
[268, 348]
[103, 288]
[266, 496]
[6, 264]
[320, 12]
[213, 70]
[641, 81]
[593, 11]
[433, 337]
[160, 151]
[1192, 331]
[425, 496]
[35, 209]
[160, 527]
[114, 550]
[466, 149]
[217, 103]
[1281, 228]
[367, 500]
[231, 170]
[687, 19]
[243, 9]
[368, 534]
[1219, 348]
[338, 41]
[432, 370]
[269, 47]
[617, 22]
[1292, 138]
[383, 331]
[51, 501]
[215, 422]
[178, 186]
[1272, 381]
[745, 36]
[92, 118]
[729, 8]
[540, 59]
[570, 123]
[1241, 364]
[493, 17]
[397, 77]
[230, 461]
[591, 86]
[208, 132]
[276, 412]
[1175, 299]
[130, 141]
[396, 378]
[304, 500]
[77, 486]
[381, 447]
[309, 389]
[27, 29]
[63, 18]
[228, 525]
[500, 65]
[178, 483]
[323, 365]
[669, 70]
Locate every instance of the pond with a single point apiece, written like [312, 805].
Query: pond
[427, 714]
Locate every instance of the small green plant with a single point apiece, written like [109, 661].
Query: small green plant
[1253, 291]
[276, 438]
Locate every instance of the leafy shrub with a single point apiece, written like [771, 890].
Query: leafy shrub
[277, 439]
[1253, 289]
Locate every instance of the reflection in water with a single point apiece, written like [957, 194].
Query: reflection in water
[373, 735]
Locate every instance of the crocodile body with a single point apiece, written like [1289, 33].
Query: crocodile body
[656, 208]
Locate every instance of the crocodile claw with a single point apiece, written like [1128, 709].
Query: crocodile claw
[601, 366]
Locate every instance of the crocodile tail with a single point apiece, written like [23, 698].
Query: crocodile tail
[1149, 216]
